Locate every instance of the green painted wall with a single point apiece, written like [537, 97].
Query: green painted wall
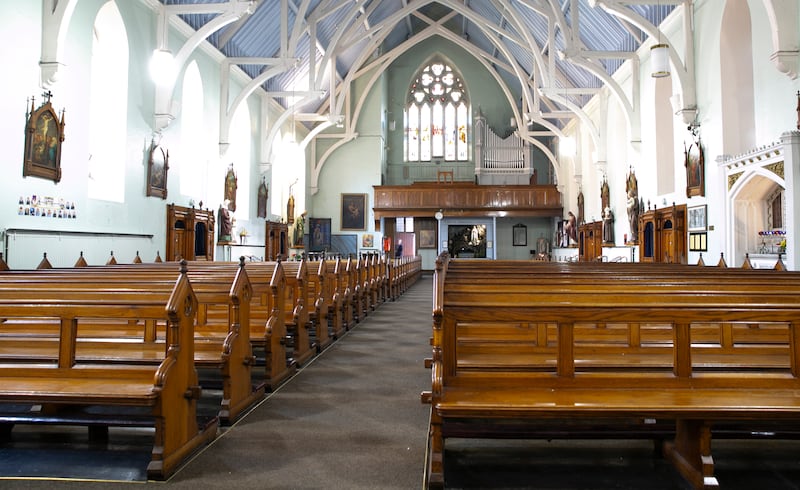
[484, 92]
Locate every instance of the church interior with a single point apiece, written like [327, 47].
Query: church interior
[622, 167]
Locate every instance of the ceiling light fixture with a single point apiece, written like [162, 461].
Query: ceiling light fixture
[659, 52]
[162, 67]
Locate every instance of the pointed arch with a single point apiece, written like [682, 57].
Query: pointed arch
[108, 129]
[193, 173]
[436, 113]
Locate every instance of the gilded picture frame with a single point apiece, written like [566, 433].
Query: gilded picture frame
[44, 134]
[157, 167]
[695, 169]
[354, 208]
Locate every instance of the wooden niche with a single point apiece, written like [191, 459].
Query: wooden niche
[190, 233]
[277, 241]
[662, 235]
[590, 241]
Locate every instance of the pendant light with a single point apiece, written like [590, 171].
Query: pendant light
[659, 53]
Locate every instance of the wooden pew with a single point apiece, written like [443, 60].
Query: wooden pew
[337, 294]
[356, 290]
[163, 395]
[316, 298]
[268, 333]
[222, 346]
[345, 289]
[523, 305]
[297, 310]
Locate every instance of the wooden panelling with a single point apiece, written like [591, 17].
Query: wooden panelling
[467, 199]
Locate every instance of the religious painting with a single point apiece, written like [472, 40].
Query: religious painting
[44, 133]
[157, 166]
[520, 235]
[231, 184]
[354, 212]
[367, 240]
[695, 169]
[319, 234]
[427, 238]
[261, 198]
[467, 241]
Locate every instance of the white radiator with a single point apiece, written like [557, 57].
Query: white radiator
[25, 248]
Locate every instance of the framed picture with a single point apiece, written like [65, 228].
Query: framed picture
[427, 238]
[319, 234]
[520, 237]
[354, 212]
[44, 133]
[695, 169]
[698, 242]
[697, 218]
[367, 240]
[157, 166]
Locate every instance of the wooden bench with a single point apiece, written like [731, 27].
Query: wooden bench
[403, 272]
[163, 396]
[222, 346]
[545, 318]
[357, 300]
[268, 332]
[337, 294]
[297, 311]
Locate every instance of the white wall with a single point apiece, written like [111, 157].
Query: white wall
[138, 223]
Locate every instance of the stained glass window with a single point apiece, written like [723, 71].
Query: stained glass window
[436, 116]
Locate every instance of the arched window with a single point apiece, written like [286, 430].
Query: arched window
[437, 115]
[193, 156]
[108, 128]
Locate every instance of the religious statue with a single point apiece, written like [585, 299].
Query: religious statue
[225, 220]
[290, 210]
[604, 197]
[299, 229]
[581, 219]
[543, 248]
[231, 184]
[608, 227]
[290, 205]
[571, 229]
[633, 206]
[263, 193]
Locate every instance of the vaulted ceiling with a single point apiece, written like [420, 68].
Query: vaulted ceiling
[551, 54]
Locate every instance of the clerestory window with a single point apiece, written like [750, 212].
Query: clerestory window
[436, 115]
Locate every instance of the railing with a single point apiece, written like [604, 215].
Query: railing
[467, 199]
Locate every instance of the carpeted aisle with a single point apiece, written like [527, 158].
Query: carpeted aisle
[349, 419]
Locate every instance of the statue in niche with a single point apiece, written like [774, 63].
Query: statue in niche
[231, 184]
